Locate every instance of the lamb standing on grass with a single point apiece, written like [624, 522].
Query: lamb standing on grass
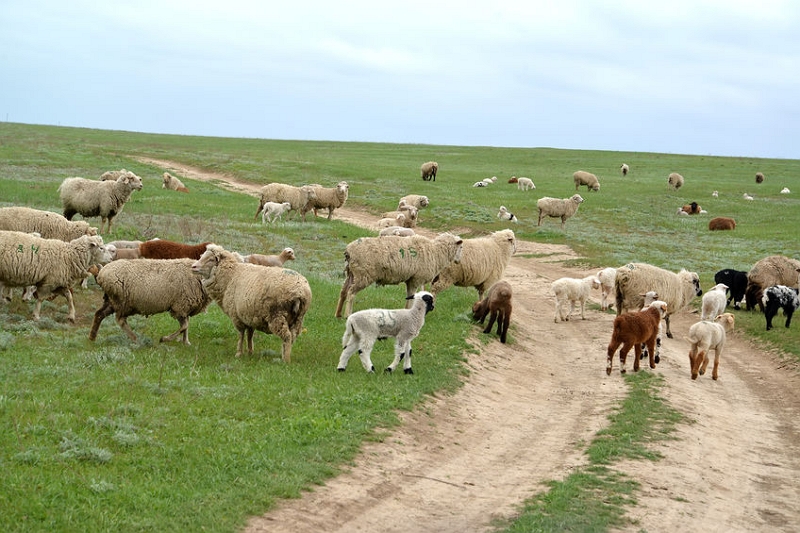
[631, 330]
[90, 198]
[780, 297]
[272, 211]
[573, 291]
[714, 302]
[47, 224]
[287, 254]
[525, 184]
[363, 328]
[172, 183]
[706, 336]
[497, 303]
[582, 177]
[558, 208]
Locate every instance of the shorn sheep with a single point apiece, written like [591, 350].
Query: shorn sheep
[631, 330]
[390, 260]
[162, 249]
[329, 198]
[558, 208]
[428, 170]
[624, 168]
[635, 279]
[572, 292]
[272, 211]
[497, 304]
[582, 177]
[417, 200]
[772, 270]
[170, 182]
[721, 224]
[287, 254]
[483, 263]
[149, 287]
[365, 327]
[505, 214]
[780, 297]
[47, 224]
[608, 278]
[272, 300]
[104, 199]
[736, 280]
[675, 181]
[298, 197]
[714, 301]
[525, 184]
[705, 336]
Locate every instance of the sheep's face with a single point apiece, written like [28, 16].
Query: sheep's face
[726, 320]
[426, 297]
[696, 281]
[100, 254]
[205, 266]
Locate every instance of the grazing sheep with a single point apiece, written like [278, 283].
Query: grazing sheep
[721, 224]
[607, 277]
[90, 198]
[759, 177]
[497, 304]
[287, 254]
[329, 198]
[525, 184]
[780, 297]
[691, 209]
[161, 249]
[505, 214]
[428, 170]
[400, 231]
[624, 169]
[298, 197]
[513, 179]
[747, 197]
[704, 337]
[483, 263]
[399, 220]
[272, 300]
[582, 177]
[172, 183]
[390, 260]
[47, 224]
[675, 181]
[272, 211]
[785, 190]
[631, 330]
[558, 208]
[635, 279]
[417, 200]
[480, 184]
[573, 291]
[714, 301]
[736, 280]
[772, 270]
[149, 287]
[52, 265]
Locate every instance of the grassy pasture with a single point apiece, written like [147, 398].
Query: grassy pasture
[122, 436]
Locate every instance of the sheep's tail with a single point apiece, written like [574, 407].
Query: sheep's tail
[348, 332]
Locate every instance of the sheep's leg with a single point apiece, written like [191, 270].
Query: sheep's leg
[492, 318]
[583, 308]
[700, 355]
[249, 332]
[344, 296]
[347, 352]
[240, 341]
[558, 311]
[651, 347]
[260, 208]
[666, 320]
[692, 356]
[182, 330]
[768, 314]
[402, 352]
[715, 371]
[99, 316]
[788, 314]
[612, 348]
[623, 357]
[637, 350]
[286, 350]
[364, 354]
[504, 331]
[123, 324]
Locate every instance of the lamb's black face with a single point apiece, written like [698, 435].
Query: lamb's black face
[428, 299]
[698, 291]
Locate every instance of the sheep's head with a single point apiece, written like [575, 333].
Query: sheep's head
[577, 198]
[726, 320]
[692, 278]
[132, 180]
[508, 236]
[204, 267]
[426, 297]
[288, 254]
[661, 306]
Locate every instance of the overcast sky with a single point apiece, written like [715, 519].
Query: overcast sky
[694, 77]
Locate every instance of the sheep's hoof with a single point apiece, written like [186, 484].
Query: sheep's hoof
[341, 369]
[694, 376]
[658, 358]
[608, 371]
[388, 370]
[714, 378]
[669, 335]
[623, 371]
[702, 372]
[408, 371]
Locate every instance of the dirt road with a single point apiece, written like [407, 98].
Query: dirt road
[527, 409]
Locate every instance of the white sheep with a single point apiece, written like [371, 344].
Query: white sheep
[52, 265]
[607, 277]
[298, 197]
[170, 182]
[714, 302]
[428, 170]
[525, 184]
[581, 177]
[409, 212]
[399, 220]
[675, 181]
[390, 260]
[365, 327]
[329, 198]
[704, 337]
[90, 198]
[396, 230]
[272, 211]
[747, 197]
[149, 287]
[47, 224]
[417, 200]
[558, 207]
[624, 169]
[483, 263]
[786, 190]
[715, 194]
[573, 291]
[272, 300]
[287, 254]
[505, 214]
[480, 184]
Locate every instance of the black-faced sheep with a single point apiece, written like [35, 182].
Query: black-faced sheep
[704, 337]
[390, 260]
[428, 170]
[365, 327]
[298, 197]
[497, 304]
[691, 209]
[172, 183]
[574, 292]
[329, 198]
[736, 280]
[47, 224]
[631, 330]
[287, 254]
[162, 249]
[104, 199]
[714, 302]
[272, 300]
[558, 208]
[780, 297]
[635, 279]
[513, 179]
[582, 177]
[624, 168]
[721, 224]
[675, 181]
[772, 270]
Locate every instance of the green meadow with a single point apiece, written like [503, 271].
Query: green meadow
[123, 436]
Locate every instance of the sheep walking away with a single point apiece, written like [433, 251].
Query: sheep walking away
[631, 330]
[705, 336]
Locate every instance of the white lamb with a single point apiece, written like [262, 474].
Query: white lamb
[273, 211]
[714, 302]
[608, 278]
[505, 214]
[525, 184]
[480, 184]
[574, 291]
[365, 327]
[785, 190]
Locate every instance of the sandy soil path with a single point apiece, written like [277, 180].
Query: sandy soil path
[521, 418]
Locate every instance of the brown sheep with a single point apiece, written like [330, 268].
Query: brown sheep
[633, 329]
[513, 179]
[721, 223]
[497, 303]
[161, 249]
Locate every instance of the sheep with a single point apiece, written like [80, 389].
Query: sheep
[483, 262]
[747, 197]
[400, 231]
[721, 224]
[675, 181]
[780, 297]
[272, 211]
[573, 291]
[558, 208]
[704, 337]
[125, 253]
[691, 209]
[52, 265]
[90, 198]
[525, 184]
[410, 215]
[624, 169]
[47, 224]
[163, 249]
[513, 179]
[298, 197]
[272, 300]
[390, 260]
[786, 190]
[736, 280]
[428, 170]
[113, 175]
[497, 303]
[329, 198]
[399, 220]
[607, 277]
[287, 254]
[480, 184]
[582, 177]
[417, 200]
[635, 279]
[759, 177]
[631, 330]
[649, 298]
[120, 244]
[94, 269]
[149, 287]
[772, 270]
[715, 194]
[714, 301]
[172, 183]
[505, 214]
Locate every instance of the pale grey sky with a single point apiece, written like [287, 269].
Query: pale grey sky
[696, 77]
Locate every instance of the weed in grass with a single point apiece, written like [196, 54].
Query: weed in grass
[74, 447]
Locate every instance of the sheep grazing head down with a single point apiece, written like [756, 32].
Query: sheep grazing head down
[426, 297]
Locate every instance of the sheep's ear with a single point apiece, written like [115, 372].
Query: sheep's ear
[410, 297]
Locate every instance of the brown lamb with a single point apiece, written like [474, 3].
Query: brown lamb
[497, 303]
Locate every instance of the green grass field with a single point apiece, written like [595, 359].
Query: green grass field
[128, 437]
